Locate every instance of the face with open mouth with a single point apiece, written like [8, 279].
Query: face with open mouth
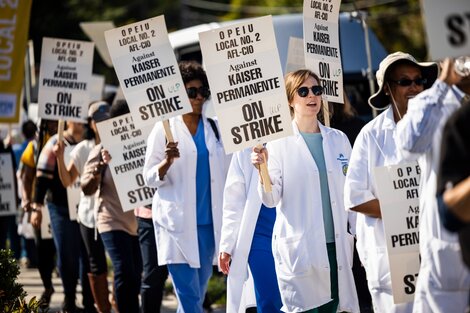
[307, 99]
[405, 82]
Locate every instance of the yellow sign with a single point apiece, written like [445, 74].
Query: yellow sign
[14, 25]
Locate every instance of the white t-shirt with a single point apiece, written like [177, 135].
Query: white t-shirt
[79, 156]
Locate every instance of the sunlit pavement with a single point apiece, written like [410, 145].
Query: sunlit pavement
[31, 281]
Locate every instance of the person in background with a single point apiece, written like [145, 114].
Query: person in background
[246, 237]
[400, 77]
[8, 222]
[154, 275]
[187, 206]
[118, 229]
[444, 281]
[312, 246]
[69, 173]
[345, 119]
[71, 252]
[45, 248]
[29, 130]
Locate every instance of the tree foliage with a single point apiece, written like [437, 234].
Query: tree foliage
[12, 294]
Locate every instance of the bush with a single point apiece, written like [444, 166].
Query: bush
[12, 294]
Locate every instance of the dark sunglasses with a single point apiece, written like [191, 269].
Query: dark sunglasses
[193, 91]
[303, 91]
[407, 82]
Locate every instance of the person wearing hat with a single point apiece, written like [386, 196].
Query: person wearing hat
[444, 281]
[97, 275]
[400, 77]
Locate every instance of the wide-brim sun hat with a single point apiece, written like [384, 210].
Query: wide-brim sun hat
[429, 70]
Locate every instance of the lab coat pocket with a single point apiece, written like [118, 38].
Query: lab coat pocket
[170, 215]
[291, 255]
[448, 270]
[377, 268]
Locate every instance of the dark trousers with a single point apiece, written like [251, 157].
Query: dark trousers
[95, 250]
[46, 254]
[154, 276]
[71, 254]
[124, 251]
[9, 230]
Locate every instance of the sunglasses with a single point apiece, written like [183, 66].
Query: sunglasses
[316, 90]
[407, 82]
[193, 91]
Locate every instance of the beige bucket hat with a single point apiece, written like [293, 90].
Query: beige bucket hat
[379, 100]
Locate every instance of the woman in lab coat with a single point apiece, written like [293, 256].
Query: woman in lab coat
[400, 78]
[187, 206]
[312, 247]
[246, 237]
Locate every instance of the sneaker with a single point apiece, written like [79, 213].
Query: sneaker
[45, 299]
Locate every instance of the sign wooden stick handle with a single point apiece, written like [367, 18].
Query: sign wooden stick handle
[263, 169]
[60, 130]
[168, 134]
[326, 112]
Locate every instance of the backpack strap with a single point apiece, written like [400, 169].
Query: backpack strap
[214, 128]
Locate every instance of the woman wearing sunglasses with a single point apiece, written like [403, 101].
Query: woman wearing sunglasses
[312, 247]
[400, 78]
[187, 206]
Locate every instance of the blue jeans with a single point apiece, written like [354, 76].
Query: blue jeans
[191, 283]
[154, 276]
[124, 251]
[71, 254]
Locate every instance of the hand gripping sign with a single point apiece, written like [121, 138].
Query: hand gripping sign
[148, 72]
[247, 85]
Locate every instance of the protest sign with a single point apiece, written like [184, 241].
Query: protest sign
[127, 143]
[295, 55]
[322, 49]
[95, 31]
[14, 26]
[397, 188]
[7, 185]
[247, 85]
[447, 26]
[147, 70]
[64, 79]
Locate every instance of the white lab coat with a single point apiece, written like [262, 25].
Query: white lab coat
[375, 146]
[444, 280]
[299, 244]
[174, 202]
[241, 209]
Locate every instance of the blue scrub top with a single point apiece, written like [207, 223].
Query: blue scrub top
[203, 178]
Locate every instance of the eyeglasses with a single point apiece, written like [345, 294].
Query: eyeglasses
[407, 82]
[316, 90]
[193, 91]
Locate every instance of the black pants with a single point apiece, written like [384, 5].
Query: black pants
[95, 250]
[46, 258]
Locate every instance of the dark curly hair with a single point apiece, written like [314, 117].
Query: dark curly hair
[192, 70]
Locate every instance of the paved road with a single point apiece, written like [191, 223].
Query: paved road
[31, 281]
